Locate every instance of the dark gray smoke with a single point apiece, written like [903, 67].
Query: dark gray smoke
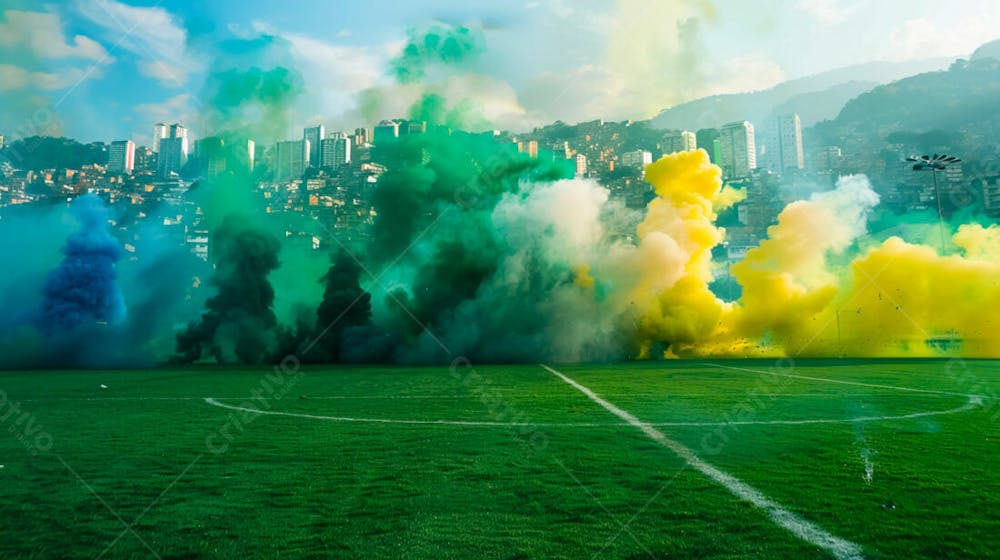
[238, 323]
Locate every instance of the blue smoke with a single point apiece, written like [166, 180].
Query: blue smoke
[83, 289]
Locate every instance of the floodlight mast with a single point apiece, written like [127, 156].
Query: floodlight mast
[935, 163]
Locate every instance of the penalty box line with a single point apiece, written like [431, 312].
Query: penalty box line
[805, 530]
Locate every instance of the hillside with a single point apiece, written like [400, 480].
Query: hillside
[965, 96]
[815, 98]
[989, 50]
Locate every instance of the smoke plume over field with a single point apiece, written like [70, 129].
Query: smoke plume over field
[479, 251]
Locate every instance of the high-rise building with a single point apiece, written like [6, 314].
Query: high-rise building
[291, 159]
[362, 136]
[173, 149]
[220, 155]
[790, 137]
[683, 141]
[145, 159]
[177, 131]
[737, 150]
[529, 147]
[706, 139]
[251, 154]
[160, 131]
[781, 147]
[386, 130]
[412, 127]
[210, 152]
[561, 150]
[314, 135]
[121, 157]
[172, 157]
[638, 159]
[581, 165]
[991, 194]
[335, 151]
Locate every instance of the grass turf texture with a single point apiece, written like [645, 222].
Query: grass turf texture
[300, 487]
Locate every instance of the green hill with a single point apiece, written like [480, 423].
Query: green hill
[964, 97]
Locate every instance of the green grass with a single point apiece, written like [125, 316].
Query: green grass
[295, 487]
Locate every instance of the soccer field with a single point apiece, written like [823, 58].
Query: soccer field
[735, 459]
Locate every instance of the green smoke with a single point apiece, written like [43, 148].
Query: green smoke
[438, 45]
[252, 89]
[251, 95]
[433, 109]
[476, 254]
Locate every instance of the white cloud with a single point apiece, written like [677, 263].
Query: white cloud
[334, 74]
[42, 34]
[493, 98]
[152, 34]
[36, 54]
[580, 94]
[923, 38]
[829, 12]
[655, 52]
[348, 86]
[561, 9]
[15, 78]
[743, 74]
[655, 57]
[173, 109]
[167, 74]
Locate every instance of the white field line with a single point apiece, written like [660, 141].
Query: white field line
[214, 402]
[837, 547]
[973, 403]
[857, 383]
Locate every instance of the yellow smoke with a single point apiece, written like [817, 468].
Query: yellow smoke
[907, 300]
[671, 69]
[582, 277]
[671, 301]
[803, 294]
[728, 197]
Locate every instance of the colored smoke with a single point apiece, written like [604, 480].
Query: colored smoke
[436, 46]
[84, 288]
[239, 319]
[480, 251]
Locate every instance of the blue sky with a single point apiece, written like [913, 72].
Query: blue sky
[106, 69]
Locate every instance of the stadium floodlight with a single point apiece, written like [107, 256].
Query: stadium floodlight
[935, 163]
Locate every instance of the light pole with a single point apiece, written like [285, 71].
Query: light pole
[935, 163]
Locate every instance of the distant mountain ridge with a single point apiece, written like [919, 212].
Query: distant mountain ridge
[988, 50]
[964, 97]
[814, 98]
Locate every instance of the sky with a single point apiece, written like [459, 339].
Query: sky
[110, 69]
